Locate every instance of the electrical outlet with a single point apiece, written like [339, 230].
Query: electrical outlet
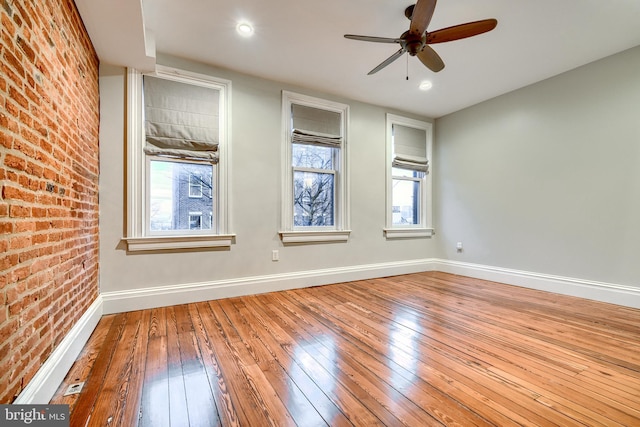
[459, 246]
[275, 255]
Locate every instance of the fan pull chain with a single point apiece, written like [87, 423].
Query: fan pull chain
[407, 67]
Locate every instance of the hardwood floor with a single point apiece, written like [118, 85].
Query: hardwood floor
[417, 350]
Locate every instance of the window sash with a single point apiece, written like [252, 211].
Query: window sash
[325, 211]
[214, 226]
[416, 199]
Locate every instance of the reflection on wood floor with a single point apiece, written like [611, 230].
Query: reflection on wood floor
[417, 350]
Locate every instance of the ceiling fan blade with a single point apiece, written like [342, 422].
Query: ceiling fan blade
[387, 61]
[461, 31]
[430, 59]
[422, 13]
[372, 39]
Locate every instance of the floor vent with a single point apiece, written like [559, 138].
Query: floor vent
[74, 389]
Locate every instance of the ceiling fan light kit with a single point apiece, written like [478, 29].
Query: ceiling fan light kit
[416, 40]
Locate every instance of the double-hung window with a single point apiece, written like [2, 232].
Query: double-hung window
[408, 181]
[314, 179]
[177, 160]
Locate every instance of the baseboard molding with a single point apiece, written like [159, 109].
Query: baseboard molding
[605, 292]
[46, 381]
[138, 299]
[49, 377]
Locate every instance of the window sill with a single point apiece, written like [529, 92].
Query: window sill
[162, 243]
[408, 233]
[314, 236]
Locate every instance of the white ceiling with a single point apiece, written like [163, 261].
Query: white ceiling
[301, 42]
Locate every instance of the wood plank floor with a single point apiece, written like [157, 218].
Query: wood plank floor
[418, 350]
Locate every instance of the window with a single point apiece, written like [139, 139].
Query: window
[315, 203]
[195, 185]
[195, 220]
[177, 160]
[408, 180]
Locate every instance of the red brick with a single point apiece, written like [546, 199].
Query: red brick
[50, 118]
[14, 62]
[6, 227]
[17, 211]
[24, 227]
[8, 329]
[20, 242]
[26, 48]
[6, 140]
[15, 162]
[3, 317]
[18, 97]
[24, 147]
[14, 193]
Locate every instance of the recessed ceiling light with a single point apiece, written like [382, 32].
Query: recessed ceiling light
[244, 28]
[425, 85]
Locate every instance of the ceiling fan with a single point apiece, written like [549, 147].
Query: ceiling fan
[417, 39]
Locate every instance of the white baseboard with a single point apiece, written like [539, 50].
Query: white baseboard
[46, 381]
[605, 292]
[138, 299]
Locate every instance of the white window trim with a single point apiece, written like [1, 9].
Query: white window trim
[340, 232]
[137, 239]
[425, 227]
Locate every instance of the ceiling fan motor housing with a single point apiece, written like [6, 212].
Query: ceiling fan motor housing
[413, 43]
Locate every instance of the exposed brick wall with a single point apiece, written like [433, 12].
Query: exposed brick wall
[48, 180]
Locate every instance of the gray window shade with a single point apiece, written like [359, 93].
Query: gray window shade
[315, 126]
[410, 148]
[181, 120]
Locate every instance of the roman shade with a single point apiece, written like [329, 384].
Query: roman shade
[181, 120]
[410, 148]
[315, 126]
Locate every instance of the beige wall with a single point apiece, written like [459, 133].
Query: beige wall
[255, 194]
[547, 178]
